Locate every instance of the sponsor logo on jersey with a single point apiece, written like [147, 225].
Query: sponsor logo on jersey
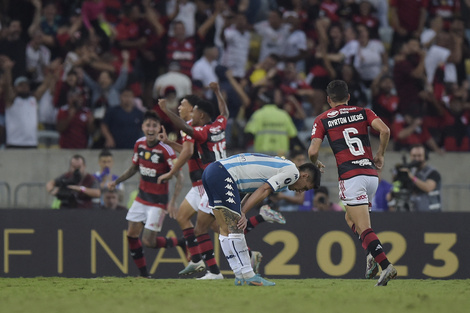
[314, 129]
[229, 193]
[217, 201]
[145, 171]
[332, 114]
[362, 162]
[218, 137]
[296, 176]
[220, 120]
[346, 110]
[361, 197]
[287, 181]
[229, 187]
[228, 180]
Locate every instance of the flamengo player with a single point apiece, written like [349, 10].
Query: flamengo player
[346, 128]
[152, 158]
[209, 139]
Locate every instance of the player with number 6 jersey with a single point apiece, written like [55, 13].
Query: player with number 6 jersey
[347, 130]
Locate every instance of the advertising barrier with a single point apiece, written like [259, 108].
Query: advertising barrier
[79, 243]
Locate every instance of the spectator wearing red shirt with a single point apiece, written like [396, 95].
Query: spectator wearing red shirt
[181, 49]
[366, 17]
[384, 102]
[407, 20]
[409, 77]
[128, 33]
[456, 126]
[74, 122]
[447, 9]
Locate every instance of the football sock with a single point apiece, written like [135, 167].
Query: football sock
[192, 244]
[253, 222]
[240, 251]
[230, 256]
[166, 242]
[207, 252]
[137, 253]
[371, 242]
[353, 228]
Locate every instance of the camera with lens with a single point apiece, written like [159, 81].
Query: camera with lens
[402, 185]
[66, 195]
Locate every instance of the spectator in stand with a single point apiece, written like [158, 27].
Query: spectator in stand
[185, 11]
[457, 31]
[447, 9]
[75, 122]
[104, 175]
[38, 57]
[204, 69]
[349, 74]
[181, 49]
[266, 69]
[322, 203]
[271, 127]
[121, 125]
[294, 85]
[95, 22]
[14, 47]
[76, 188]
[105, 93]
[236, 39]
[409, 77]
[407, 19]
[457, 125]
[47, 112]
[408, 131]
[366, 17]
[384, 100]
[21, 109]
[371, 58]
[273, 34]
[428, 36]
[176, 79]
[295, 47]
[447, 50]
[111, 200]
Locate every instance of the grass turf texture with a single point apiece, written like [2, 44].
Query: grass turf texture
[110, 294]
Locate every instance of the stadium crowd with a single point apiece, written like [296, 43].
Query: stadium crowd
[89, 69]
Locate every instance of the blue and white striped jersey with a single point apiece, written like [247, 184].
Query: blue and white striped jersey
[251, 170]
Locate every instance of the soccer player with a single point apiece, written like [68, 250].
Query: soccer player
[152, 158]
[258, 176]
[346, 128]
[209, 140]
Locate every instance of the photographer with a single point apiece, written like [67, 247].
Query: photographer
[76, 188]
[321, 201]
[423, 182]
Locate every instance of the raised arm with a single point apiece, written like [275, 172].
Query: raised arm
[185, 154]
[220, 99]
[177, 121]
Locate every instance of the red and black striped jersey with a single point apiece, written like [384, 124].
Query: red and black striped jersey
[195, 166]
[153, 162]
[210, 141]
[182, 52]
[346, 128]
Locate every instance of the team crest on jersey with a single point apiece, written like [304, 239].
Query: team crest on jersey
[332, 114]
[147, 155]
[155, 158]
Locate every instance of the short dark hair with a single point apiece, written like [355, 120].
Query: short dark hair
[78, 157]
[152, 115]
[337, 90]
[206, 107]
[105, 153]
[296, 152]
[314, 172]
[192, 99]
[323, 189]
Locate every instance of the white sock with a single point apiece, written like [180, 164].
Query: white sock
[240, 251]
[229, 255]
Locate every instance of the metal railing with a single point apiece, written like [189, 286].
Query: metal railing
[32, 195]
[5, 195]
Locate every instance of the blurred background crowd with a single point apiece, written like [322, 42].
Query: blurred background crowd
[80, 74]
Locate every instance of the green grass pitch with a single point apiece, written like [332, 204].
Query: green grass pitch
[125, 295]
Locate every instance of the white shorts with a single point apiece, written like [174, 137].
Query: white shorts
[358, 190]
[152, 216]
[198, 200]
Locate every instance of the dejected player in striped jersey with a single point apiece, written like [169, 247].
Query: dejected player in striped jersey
[151, 158]
[346, 128]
